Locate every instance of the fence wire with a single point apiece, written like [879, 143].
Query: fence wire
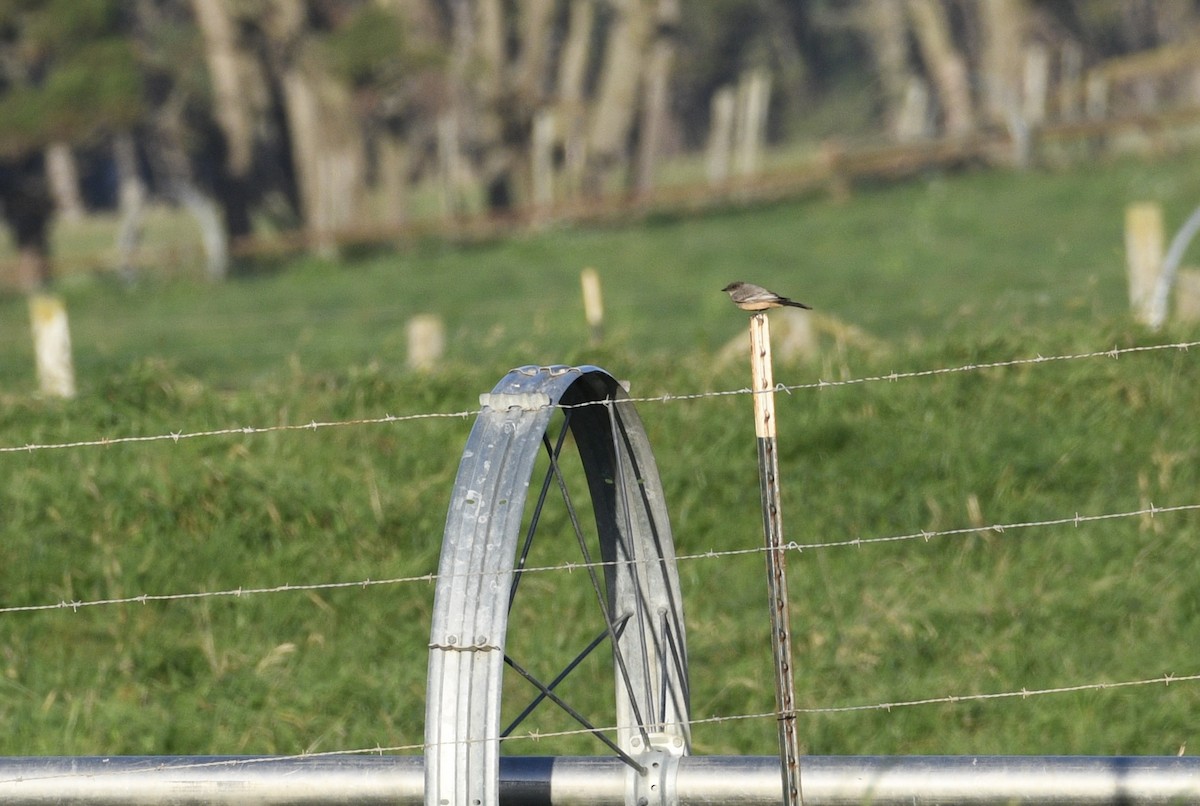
[537, 736]
[671, 397]
[1075, 520]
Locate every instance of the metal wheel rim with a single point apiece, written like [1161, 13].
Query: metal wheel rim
[479, 564]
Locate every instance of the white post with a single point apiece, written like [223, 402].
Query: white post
[593, 305]
[1143, 256]
[52, 346]
[763, 388]
[1157, 306]
[426, 341]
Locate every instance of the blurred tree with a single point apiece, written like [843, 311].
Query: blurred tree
[903, 93]
[67, 76]
[944, 63]
[239, 99]
[286, 111]
[1111, 27]
[391, 54]
[613, 110]
[328, 159]
[1004, 28]
[656, 93]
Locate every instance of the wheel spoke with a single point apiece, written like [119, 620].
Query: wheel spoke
[621, 453]
[536, 517]
[678, 664]
[570, 667]
[600, 597]
[578, 717]
[667, 640]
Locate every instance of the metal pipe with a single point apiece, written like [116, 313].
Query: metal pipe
[1169, 268]
[546, 781]
[194, 780]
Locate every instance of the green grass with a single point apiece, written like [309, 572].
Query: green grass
[977, 254]
[981, 253]
[950, 272]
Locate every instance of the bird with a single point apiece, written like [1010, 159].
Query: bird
[751, 297]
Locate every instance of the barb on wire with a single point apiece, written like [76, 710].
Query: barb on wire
[176, 436]
[1075, 520]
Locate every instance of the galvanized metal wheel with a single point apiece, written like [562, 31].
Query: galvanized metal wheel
[627, 557]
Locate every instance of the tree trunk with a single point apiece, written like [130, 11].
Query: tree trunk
[489, 47]
[536, 20]
[453, 179]
[616, 97]
[1174, 20]
[719, 154]
[1004, 24]
[229, 100]
[572, 70]
[656, 94]
[750, 121]
[328, 155]
[945, 64]
[63, 176]
[482, 113]
[542, 160]
[420, 17]
[167, 150]
[887, 32]
[392, 171]
[791, 71]
[234, 107]
[131, 202]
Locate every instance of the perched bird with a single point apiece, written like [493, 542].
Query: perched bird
[751, 297]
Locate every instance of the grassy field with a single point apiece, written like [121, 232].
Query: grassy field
[943, 273]
[969, 257]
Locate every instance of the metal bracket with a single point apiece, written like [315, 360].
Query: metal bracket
[530, 401]
[656, 786]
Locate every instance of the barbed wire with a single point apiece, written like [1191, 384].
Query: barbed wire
[1075, 520]
[235, 593]
[927, 535]
[1115, 352]
[537, 736]
[314, 425]
[177, 436]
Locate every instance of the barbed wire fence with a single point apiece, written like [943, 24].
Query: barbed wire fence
[1071, 519]
[463, 414]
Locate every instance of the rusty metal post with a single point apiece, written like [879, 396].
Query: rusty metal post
[763, 387]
